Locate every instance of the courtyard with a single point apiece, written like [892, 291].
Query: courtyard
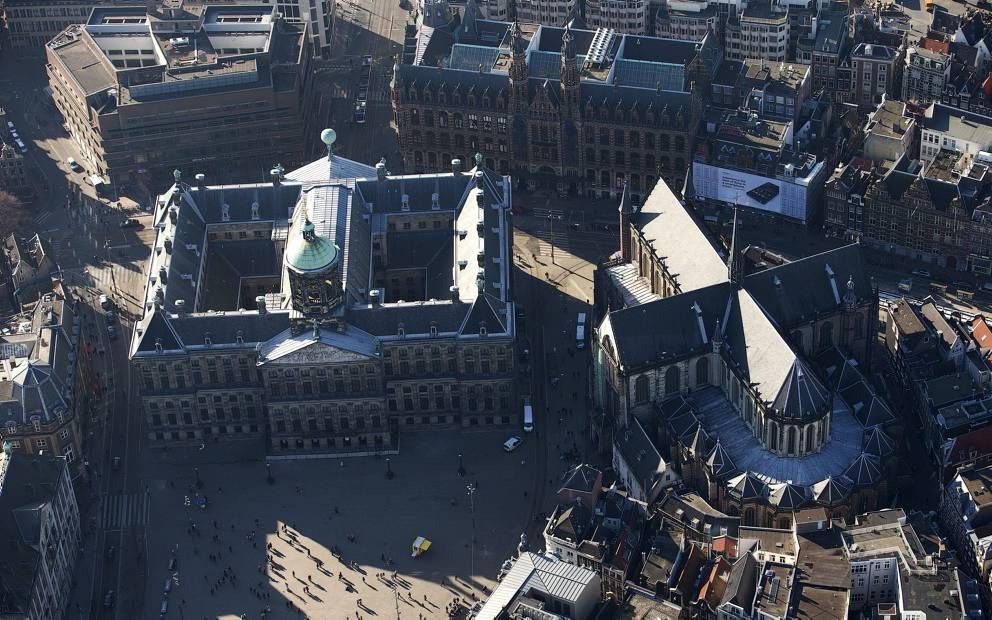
[349, 506]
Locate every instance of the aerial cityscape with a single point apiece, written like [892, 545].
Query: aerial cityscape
[496, 309]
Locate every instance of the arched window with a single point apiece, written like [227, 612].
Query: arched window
[826, 335]
[672, 380]
[641, 389]
[773, 436]
[749, 516]
[792, 435]
[702, 371]
[810, 446]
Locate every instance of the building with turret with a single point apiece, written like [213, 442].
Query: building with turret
[578, 111]
[329, 309]
[749, 383]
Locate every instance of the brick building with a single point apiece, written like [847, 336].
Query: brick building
[579, 111]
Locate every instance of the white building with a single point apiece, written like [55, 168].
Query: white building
[540, 586]
[626, 16]
[39, 519]
[318, 13]
[952, 129]
[755, 163]
[547, 12]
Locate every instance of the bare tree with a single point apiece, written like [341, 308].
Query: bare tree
[13, 215]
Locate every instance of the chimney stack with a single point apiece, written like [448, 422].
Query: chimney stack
[456, 166]
[380, 170]
[180, 307]
[201, 181]
[260, 304]
[454, 293]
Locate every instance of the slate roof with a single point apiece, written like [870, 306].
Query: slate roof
[748, 486]
[802, 395]
[582, 478]
[877, 443]
[719, 462]
[28, 483]
[742, 583]
[321, 170]
[864, 470]
[797, 291]
[640, 454]
[788, 496]
[663, 222]
[416, 317]
[832, 491]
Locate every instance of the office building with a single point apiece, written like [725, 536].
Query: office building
[146, 90]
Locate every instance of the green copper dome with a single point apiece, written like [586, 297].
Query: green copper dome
[308, 252]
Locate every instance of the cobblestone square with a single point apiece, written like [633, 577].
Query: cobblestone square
[325, 502]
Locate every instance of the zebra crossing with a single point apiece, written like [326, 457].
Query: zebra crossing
[123, 510]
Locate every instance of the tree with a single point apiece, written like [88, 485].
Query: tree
[13, 215]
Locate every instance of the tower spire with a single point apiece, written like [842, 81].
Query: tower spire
[735, 267]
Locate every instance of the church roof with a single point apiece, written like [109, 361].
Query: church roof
[748, 486]
[832, 491]
[801, 396]
[864, 470]
[788, 496]
[876, 442]
[719, 461]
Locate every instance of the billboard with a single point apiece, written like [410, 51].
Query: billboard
[783, 197]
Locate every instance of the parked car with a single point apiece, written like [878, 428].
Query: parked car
[922, 273]
[104, 302]
[130, 222]
[74, 165]
[108, 599]
[906, 285]
[512, 443]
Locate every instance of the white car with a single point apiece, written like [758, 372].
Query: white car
[512, 444]
[73, 165]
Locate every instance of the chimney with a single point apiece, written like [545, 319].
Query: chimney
[201, 181]
[377, 296]
[260, 304]
[276, 175]
[380, 170]
[479, 176]
[180, 307]
[168, 246]
[454, 293]
[163, 274]
[456, 166]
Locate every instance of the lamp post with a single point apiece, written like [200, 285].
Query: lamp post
[471, 487]
[389, 471]
[268, 473]
[196, 472]
[461, 466]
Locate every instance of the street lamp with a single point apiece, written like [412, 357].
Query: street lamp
[268, 473]
[389, 471]
[551, 223]
[196, 472]
[471, 487]
[461, 466]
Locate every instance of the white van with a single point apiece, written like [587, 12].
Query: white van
[528, 417]
[580, 331]
[21, 146]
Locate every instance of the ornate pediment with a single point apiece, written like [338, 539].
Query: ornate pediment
[317, 353]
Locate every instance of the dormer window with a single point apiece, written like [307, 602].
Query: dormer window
[36, 423]
[207, 339]
[240, 337]
[433, 329]
[401, 330]
[482, 328]
[158, 345]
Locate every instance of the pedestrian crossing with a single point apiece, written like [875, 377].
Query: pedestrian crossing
[124, 510]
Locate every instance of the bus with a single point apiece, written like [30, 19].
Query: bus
[580, 331]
